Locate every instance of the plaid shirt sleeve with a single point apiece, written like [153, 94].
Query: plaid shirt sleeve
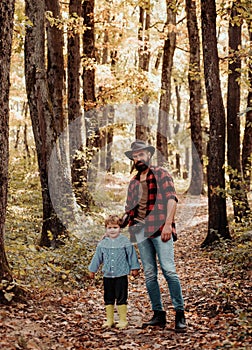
[161, 189]
[167, 186]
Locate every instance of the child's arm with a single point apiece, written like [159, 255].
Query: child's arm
[95, 262]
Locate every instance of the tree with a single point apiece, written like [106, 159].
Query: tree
[90, 113]
[55, 63]
[6, 30]
[73, 69]
[142, 110]
[73, 96]
[165, 98]
[46, 126]
[194, 79]
[247, 140]
[239, 198]
[217, 221]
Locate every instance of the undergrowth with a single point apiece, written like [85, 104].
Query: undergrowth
[67, 266]
[34, 266]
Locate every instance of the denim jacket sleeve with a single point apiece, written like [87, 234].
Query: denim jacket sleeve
[96, 261]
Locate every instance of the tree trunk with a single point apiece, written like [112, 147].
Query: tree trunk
[76, 140]
[142, 110]
[6, 30]
[178, 108]
[196, 184]
[73, 68]
[55, 65]
[247, 140]
[45, 127]
[217, 211]
[165, 98]
[103, 126]
[110, 135]
[91, 120]
[239, 197]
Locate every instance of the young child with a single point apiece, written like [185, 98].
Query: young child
[118, 257]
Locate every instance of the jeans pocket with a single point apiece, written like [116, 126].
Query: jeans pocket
[137, 227]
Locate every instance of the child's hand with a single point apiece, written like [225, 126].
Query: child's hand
[91, 275]
[134, 273]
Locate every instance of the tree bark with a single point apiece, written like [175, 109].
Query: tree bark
[142, 109]
[90, 113]
[55, 65]
[6, 30]
[247, 140]
[239, 197]
[217, 211]
[45, 127]
[76, 139]
[165, 98]
[73, 78]
[194, 79]
[110, 135]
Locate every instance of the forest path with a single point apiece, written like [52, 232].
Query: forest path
[215, 305]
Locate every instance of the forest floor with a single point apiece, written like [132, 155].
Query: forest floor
[217, 309]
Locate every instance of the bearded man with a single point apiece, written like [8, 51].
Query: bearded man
[149, 212]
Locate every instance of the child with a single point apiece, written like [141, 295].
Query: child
[118, 257]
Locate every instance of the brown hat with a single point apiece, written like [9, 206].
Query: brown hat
[137, 146]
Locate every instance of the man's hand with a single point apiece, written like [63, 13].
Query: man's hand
[91, 275]
[166, 233]
[134, 273]
[124, 220]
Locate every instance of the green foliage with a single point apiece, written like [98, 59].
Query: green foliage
[33, 266]
[234, 255]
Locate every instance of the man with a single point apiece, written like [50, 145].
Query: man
[150, 210]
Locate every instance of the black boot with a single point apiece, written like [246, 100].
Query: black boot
[180, 322]
[158, 319]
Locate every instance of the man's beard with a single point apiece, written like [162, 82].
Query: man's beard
[141, 166]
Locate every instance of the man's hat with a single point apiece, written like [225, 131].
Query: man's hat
[137, 146]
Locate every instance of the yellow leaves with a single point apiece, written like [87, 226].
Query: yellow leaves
[72, 24]
[33, 247]
[50, 235]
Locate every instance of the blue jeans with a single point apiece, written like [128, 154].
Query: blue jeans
[150, 249]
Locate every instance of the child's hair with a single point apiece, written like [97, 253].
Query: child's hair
[113, 219]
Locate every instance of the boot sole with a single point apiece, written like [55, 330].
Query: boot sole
[181, 330]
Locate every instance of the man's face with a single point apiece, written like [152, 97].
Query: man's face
[141, 160]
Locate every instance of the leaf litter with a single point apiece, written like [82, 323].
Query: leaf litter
[217, 310]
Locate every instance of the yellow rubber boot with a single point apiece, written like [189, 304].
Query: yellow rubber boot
[122, 311]
[110, 316]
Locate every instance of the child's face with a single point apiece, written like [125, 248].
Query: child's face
[113, 230]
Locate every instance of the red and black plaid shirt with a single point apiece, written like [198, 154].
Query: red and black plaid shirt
[160, 190]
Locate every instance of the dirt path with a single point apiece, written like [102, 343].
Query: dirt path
[214, 310]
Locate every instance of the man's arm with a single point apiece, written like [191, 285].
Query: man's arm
[166, 233]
